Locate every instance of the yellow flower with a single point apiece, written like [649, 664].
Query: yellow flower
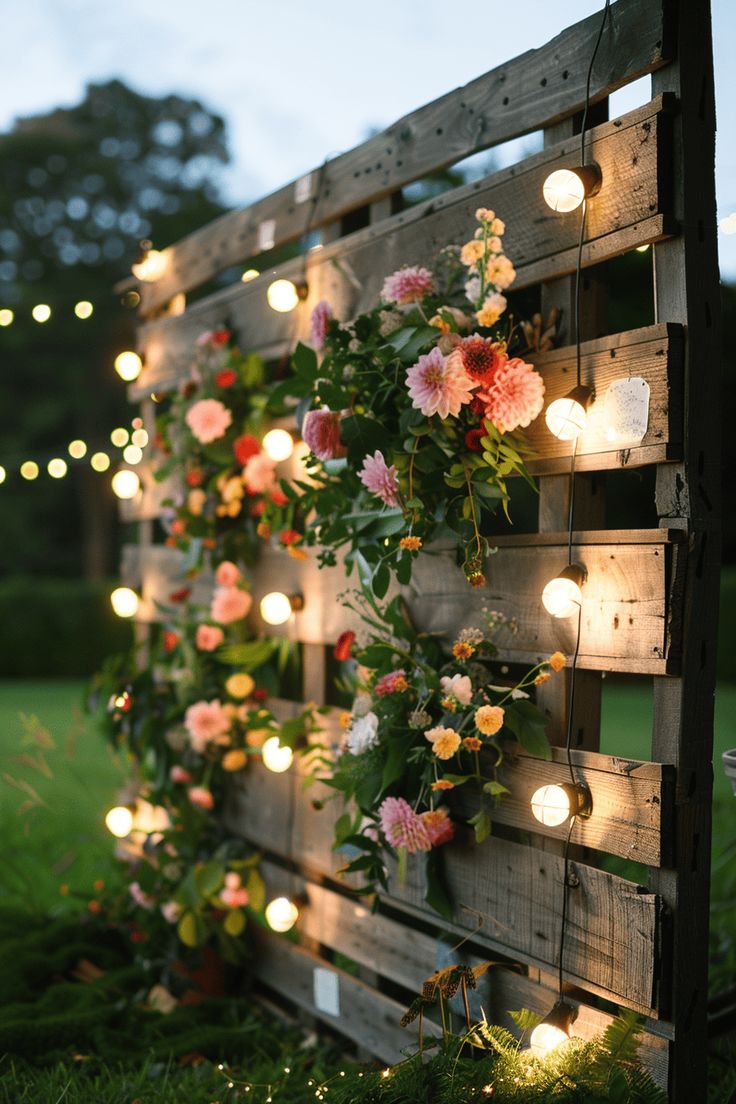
[234, 508]
[346, 718]
[471, 252]
[484, 215]
[297, 553]
[263, 529]
[240, 685]
[257, 737]
[232, 489]
[444, 741]
[234, 760]
[498, 226]
[411, 544]
[462, 650]
[439, 323]
[542, 677]
[196, 500]
[557, 661]
[489, 719]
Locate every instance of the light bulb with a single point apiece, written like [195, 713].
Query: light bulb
[150, 267]
[553, 1030]
[125, 483]
[132, 454]
[29, 469]
[83, 309]
[6, 316]
[566, 417]
[562, 596]
[119, 821]
[41, 312]
[139, 437]
[99, 461]
[57, 468]
[277, 757]
[284, 295]
[276, 608]
[278, 445]
[3, 474]
[553, 805]
[249, 274]
[565, 189]
[281, 914]
[124, 602]
[128, 365]
[119, 437]
[77, 449]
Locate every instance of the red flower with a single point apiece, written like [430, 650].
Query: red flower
[220, 337]
[226, 378]
[180, 595]
[171, 639]
[209, 542]
[259, 694]
[472, 439]
[138, 936]
[344, 646]
[481, 359]
[289, 536]
[178, 526]
[195, 478]
[246, 446]
[257, 507]
[278, 497]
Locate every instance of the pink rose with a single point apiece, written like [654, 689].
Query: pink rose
[201, 797]
[206, 722]
[209, 637]
[230, 604]
[321, 431]
[227, 574]
[208, 420]
[179, 774]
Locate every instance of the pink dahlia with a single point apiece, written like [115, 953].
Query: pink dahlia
[230, 604]
[515, 397]
[208, 637]
[258, 474]
[380, 479]
[227, 574]
[408, 285]
[321, 317]
[201, 797]
[206, 722]
[402, 827]
[321, 431]
[208, 420]
[479, 358]
[392, 683]
[439, 385]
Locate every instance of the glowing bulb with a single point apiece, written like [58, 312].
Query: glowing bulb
[29, 469]
[139, 437]
[83, 309]
[284, 295]
[151, 266]
[276, 757]
[566, 417]
[546, 1037]
[41, 312]
[278, 444]
[249, 274]
[6, 316]
[3, 474]
[642, 248]
[551, 805]
[99, 461]
[276, 607]
[128, 365]
[565, 189]
[125, 483]
[57, 468]
[119, 437]
[562, 596]
[119, 821]
[124, 602]
[77, 449]
[132, 454]
[281, 914]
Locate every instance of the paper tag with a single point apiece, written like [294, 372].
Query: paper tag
[267, 234]
[303, 188]
[626, 409]
[326, 991]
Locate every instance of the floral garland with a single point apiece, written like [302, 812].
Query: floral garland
[191, 718]
[412, 413]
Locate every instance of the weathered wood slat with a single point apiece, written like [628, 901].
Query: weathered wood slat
[612, 940]
[632, 207]
[534, 89]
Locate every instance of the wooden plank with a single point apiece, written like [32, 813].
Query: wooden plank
[632, 207]
[522, 95]
[508, 891]
[366, 1016]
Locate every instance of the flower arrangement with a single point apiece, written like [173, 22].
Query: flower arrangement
[208, 439]
[423, 726]
[413, 413]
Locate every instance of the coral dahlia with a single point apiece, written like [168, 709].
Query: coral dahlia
[439, 385]
[515, 397]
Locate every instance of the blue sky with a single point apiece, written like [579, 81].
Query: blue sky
[298, 81]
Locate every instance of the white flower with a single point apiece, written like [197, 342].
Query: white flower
[458, 687]
[363, 734]
[516, 694]
[472, 289]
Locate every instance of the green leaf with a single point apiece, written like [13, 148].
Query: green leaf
[209, 877]
[381, 580]
[235, 922]
[528, 725]
[191, 929]
[304, 361]
[437, 895]
[248, 656]
[481, 824]
[495, 789]
[526, 1019]
[256, 891]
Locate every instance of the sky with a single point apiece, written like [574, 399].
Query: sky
[299, 81]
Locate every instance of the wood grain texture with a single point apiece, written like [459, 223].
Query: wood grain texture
[632, 207]
[529, 92]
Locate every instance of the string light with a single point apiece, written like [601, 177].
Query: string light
[125, 483]
[83, 309]
[151, 265]
[284, 295]
[562, 595]
[119, 437]
[99, 461]
[41, 312]
[77, 449]
[29, 469]
[132, 454]
[566, 417]
[119, 821]
[3, 474]
[278, 444]
[128, 365]
[281, 914]
[124, 601]
[249, 274]
[139, 437]
[553, 1030]
[565, 189]
[6, 316]
[276, 607]
[277, 757]
[554, 804]
[57, 468]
